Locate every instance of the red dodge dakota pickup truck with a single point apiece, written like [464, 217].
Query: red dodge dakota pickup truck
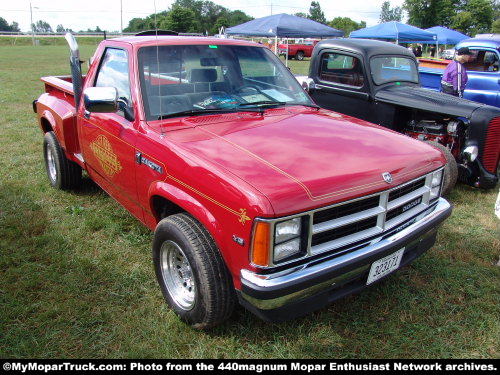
[255, 194]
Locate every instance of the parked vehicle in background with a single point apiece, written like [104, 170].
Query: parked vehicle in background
[297, 51]
[448, 54]
[379, 82]
[254, 193]
[483, 71]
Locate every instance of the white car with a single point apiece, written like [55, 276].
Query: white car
[448, 54]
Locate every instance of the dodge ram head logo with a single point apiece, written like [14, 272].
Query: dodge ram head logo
[107, 158]
[387, 177]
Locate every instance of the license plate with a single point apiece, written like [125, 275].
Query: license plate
[384, 266]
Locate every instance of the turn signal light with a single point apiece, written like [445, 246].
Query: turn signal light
[260, 246]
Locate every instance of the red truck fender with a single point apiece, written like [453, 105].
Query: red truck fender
[58, 116]
[189, 204]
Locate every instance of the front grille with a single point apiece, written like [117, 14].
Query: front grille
[406, 189]
[345, 209]
[343, 231]
[491, 152]
[335, 228]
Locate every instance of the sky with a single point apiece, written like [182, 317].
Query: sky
[84, 14]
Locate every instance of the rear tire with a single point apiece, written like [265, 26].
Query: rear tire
[192, 275]
[450, 170]
[299, 56]
[63, 173]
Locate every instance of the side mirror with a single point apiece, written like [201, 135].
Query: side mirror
[100, 99]
[307, 84]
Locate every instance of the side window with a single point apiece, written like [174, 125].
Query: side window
[341, 69]
[483, 61]
[114, 72]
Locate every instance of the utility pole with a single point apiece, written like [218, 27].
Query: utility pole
[121, 17]
[32, 26]
[271, 7]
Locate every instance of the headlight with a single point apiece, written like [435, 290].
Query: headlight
[452, 127]
[278, 242]
[437, 178]
[471, 153]
[286, 249]
[287, 239]
[435, 193]
[287, 229]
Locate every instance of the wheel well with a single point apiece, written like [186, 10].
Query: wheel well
[46, 127]
[162, 207]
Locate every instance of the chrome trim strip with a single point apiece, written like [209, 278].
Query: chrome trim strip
[344, 220]
[300, 273]
[346, 240]
[405, 216]
[407, 198]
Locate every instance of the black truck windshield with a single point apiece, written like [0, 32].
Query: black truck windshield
[189, 78]
[386, 69]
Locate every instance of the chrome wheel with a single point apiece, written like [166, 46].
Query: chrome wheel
[177, 275]
[51, 164]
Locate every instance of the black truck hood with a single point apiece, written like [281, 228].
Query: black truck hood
[427, 100]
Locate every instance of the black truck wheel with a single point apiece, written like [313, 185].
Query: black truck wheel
[450, 170]
[63, 173]
[300, 55]
[191, 273]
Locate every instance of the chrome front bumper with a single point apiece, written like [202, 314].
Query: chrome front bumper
[310, 286]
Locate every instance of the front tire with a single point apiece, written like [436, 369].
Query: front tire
[63, 173]
[450, 175]
[299, 56]
[192, 275]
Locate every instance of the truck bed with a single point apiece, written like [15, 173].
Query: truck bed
[430, 78]
[63, 83]
[56, 111]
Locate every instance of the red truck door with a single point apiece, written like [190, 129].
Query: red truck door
[108, 139]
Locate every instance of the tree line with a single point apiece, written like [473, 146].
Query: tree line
[4, 25]
[467, 16]
[190, 16]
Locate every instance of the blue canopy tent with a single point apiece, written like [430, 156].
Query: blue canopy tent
[283, 26]
[444, 36]
[395, 31]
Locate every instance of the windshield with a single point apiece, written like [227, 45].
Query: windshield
[207, 78]
[393, 69]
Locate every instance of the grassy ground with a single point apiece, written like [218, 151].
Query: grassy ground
[76, 277]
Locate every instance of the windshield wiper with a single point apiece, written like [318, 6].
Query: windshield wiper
[195, 112]
[306, 105]
[271, 103]
[262, 103]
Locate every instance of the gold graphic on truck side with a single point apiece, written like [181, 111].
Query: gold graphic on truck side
[107, 158]
[243, 216]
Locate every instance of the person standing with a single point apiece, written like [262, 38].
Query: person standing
[418, 51]
[433, 51]
[455, 77]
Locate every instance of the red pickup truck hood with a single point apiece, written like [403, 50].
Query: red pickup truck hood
[304, 158]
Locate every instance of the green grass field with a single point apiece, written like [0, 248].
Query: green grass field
[76, 275]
